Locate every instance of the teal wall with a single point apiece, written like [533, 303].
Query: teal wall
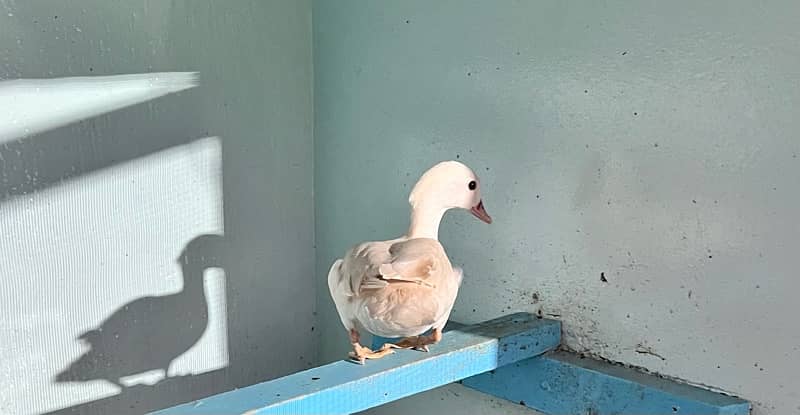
[653, 142]
[94, 215]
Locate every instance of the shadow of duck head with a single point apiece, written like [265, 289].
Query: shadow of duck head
[204, 251]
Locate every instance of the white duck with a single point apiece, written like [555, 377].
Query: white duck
[406, 286]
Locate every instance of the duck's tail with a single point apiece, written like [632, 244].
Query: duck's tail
[340, 294]
[81, 370]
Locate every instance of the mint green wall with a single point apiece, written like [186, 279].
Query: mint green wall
[94, 215]
[654, 142]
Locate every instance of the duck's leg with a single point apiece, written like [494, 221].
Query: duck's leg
[361, 353]
[419, 342]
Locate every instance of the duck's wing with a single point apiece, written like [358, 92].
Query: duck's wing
[105, 330]
[416, 286]
[356, 273]
[419, 261]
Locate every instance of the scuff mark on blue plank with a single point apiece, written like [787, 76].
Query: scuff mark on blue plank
[344, 387]
[565, 383]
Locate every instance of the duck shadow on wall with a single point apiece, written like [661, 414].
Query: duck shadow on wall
[148, 334]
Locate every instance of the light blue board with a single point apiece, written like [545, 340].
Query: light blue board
[344, 387]
[565, 383]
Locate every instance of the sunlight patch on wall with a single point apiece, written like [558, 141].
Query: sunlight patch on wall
[67, 100]
[111, 250]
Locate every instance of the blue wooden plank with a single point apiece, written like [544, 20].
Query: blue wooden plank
[344, 387]
[565, 383]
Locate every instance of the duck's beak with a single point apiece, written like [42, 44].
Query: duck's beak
[479, 212]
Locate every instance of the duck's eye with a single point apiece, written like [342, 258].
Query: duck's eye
[473, 185]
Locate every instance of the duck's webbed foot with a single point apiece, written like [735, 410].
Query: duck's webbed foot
[361, 353]
[420, 343]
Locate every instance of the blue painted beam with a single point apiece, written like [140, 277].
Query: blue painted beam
[565, 383]
[344, 387]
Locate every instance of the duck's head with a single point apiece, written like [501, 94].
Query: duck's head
[449, 185]
[204, 251]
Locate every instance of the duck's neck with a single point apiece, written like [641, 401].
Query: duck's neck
[425, 221]
[193, 281]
